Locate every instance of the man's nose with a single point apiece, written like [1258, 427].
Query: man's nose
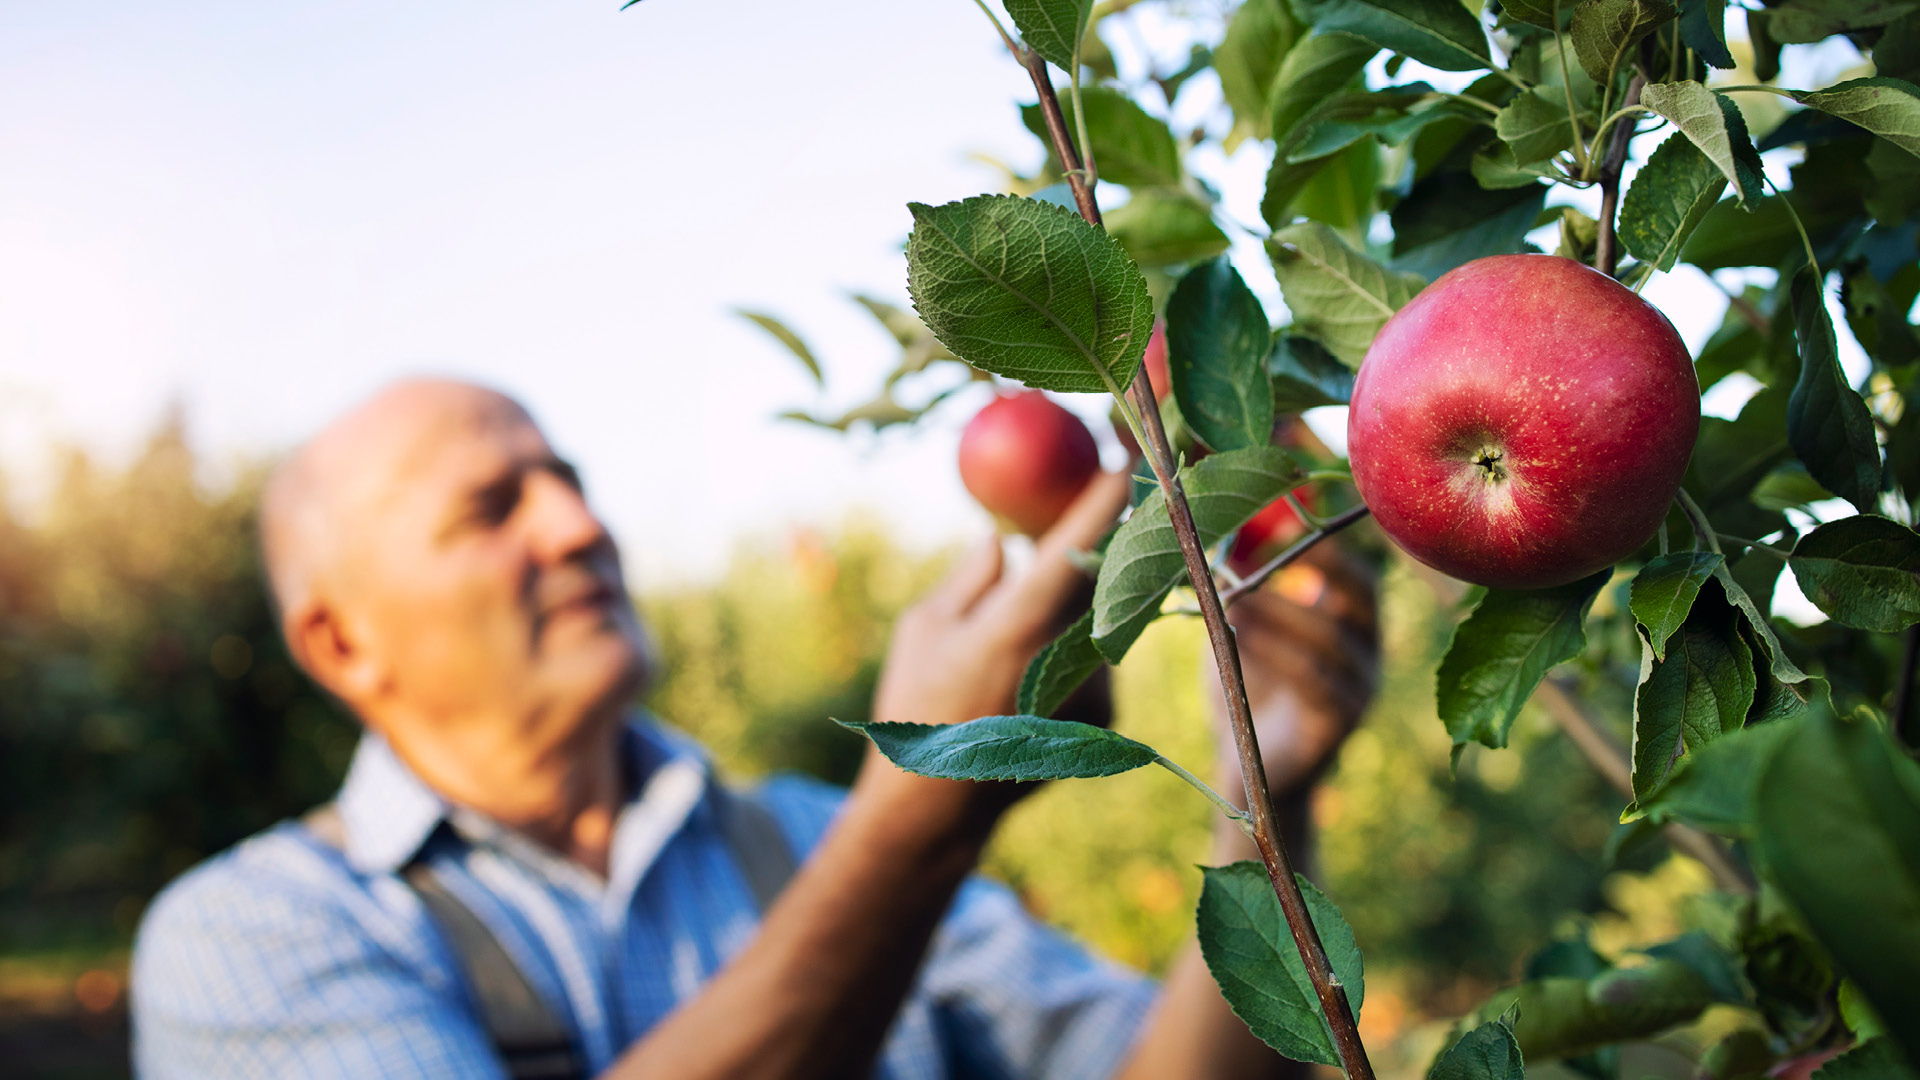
[563, 524]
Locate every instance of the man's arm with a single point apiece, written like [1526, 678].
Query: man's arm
[815, 992]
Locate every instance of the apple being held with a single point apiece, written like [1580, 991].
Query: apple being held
[1025, 459]
[1523, 422]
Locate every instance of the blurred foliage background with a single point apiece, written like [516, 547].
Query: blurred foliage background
[149, 717]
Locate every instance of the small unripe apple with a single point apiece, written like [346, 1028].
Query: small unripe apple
[1025, 459]
[1523, 422]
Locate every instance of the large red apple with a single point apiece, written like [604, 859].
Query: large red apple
[1025, 459]
[1523, 422]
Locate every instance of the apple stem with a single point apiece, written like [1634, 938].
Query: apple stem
[1307, 517]
[1702, 528]
[1606, 253]
[1327, 988]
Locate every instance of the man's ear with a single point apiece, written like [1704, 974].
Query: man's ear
[322, 644]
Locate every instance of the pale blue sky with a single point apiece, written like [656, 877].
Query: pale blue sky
[265, 211]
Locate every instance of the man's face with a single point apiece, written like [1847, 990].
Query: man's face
[480, 583]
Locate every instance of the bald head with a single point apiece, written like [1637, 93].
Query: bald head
[354, 466]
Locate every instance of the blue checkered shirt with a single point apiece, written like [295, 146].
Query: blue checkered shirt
[284, 958]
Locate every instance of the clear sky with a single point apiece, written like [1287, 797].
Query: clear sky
[266, 211]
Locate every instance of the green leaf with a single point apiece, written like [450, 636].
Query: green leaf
[1438, 33]
[1667, 201]
[1144, 563]
[1058, 669]
[1890, 108]
[1839, 830]
[1052, 28]
[786, 337]
[1488, 1052]
[1130, 145]
[1166, 227]
[1217, 345]
[1863, 571]
[1703, 28]
[1731, 456]
[1338, 296]
[1535, 124]
[1663, 593]
[1249, 59]
[1341, 193]
[1827, 421]
[1715, 787]
[1562, 1017]
[1006, 748]
[1501, 652]
[1875, 1059]
[1701, 691]
[1715, 126]
[1306, 376]
[1448, 220]
[1317, 68]
[1248, 948]
[1605, 31]
[1802, 22]
[1538, 12]
[1787, 691]
[1028, 290]
[1393, 116]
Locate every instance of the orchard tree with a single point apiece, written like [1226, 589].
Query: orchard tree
[1522, 422]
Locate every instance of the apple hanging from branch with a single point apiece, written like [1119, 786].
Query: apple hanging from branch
[1523, 422]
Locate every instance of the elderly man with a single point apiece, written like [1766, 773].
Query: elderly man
[522, 877]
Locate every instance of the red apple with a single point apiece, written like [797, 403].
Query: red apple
[1523, 422]
[1155, 362]
[1025, 459]
[1272, 527]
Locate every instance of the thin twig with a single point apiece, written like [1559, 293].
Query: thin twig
[1327, 988]
[1606, 254]
[1702, 528]
[1610, 762]
[1300, 547]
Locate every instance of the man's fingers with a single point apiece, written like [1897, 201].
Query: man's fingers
[1032, 600]
[967, 582]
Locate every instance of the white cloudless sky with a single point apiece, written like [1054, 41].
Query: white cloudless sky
[264, 212]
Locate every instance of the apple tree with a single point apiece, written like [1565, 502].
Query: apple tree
[1408, 138]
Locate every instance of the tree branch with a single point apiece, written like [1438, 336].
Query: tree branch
[1606, 254]
[1327, 988]
[1300, 547]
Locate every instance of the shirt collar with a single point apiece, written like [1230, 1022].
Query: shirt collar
[388, 812]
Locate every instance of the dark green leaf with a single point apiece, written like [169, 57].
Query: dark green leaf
[785, 337]
[1249, 58]
[1714, 787]
[1059, 669]
[1701, 691]
[1801, 22]
[1897, 53]
[1052, 28]
[1144, 563]
[1715, 126]
[1786, 691]
[1827, 421]
[1503, 650]
[1875, 1059]
[1703, 27]
[1763, 236]
[1393, 116]
[1562, 1017]
[1305, 375]
[1438, 33]
[1488, 1052]
[1538, 12]
[1605, 32]
[1338, 296]
[1862, 571]
[1130, 145]
[1029, 291]
[1248, 948]
[1839, 829]
[1448, 220]
[1217, 345]
[1341, 193]
[1789, 487]
[1766, 48]
[1890, 108]
[1006, 748]
[1877, 310]
[1672, 193]
[1165, 227]
[1494, 166]
[1536, 124]
[1663, 593]
[1731, 456]
[1317, 68]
